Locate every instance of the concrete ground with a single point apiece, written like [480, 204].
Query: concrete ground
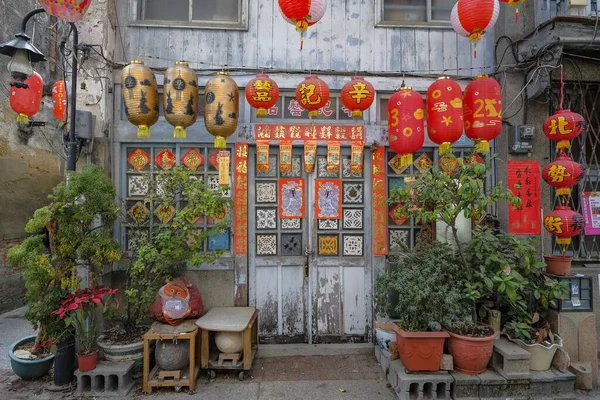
[13, 327]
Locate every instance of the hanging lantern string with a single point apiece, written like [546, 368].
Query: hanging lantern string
[562, 87]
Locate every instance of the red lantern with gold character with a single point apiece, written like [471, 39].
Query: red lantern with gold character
[406, 123]
[563, 127]
[444, 113]
[59, 96]
[564, 223]
[515, 4]
[262, 93]
[312, 94]
[473, 18]
[483, 111]
[563, 174]
[357, 96]
[302, 14]
[26, 102]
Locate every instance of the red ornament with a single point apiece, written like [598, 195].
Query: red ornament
[68, 10]
[59, 95]
[358, 95]
[444, 113]
[563, 174]
[27, 102]
[473, 18]
[563, 127]
[262, 93]
[564, 223]
[515, 4]
[483, 111]
[406, 123]
[302, 14]
[312, 94]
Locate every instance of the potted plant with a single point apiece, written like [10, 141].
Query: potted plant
[471, 345]
[540, 342]
[29, 361]
[78, 309]
[163, 252]
[558, 265]
[64, 235]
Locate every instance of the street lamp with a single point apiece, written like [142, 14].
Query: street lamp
[22, 54]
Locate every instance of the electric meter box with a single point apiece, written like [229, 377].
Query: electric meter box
[580, 293]
[521, 139]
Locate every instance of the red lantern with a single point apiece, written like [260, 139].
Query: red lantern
[515, 4]
[563, 174]
[68, 10]
[262, 93]
[312, 94]
[302, 13]
[357, 96]
[27, 102]
[483, 111]
[563, 127]
[406, 123]
[59, 95]
[444, 113]
[564, 223]
[473, 18]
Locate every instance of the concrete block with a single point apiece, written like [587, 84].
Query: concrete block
[509, 360]
[426, 385]
[583, 373]
[447, 363]
[563, 384]
[541, 384]
[465, 387]
[561, 360]
[378, 353]
[385, 363]
[109, 379]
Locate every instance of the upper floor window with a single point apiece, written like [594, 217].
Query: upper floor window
[411, 12]
[204, 13]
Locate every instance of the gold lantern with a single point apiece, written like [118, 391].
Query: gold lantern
[180, 98]
[140, 96]
[221, 107]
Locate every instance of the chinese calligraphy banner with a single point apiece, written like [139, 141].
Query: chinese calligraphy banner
[310, 132]
[591, 211]
[329, 199]
[380, 242]
[291, 193]
[241, 199]
[524, 182]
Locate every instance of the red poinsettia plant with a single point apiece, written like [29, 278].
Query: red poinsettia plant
[78, 309]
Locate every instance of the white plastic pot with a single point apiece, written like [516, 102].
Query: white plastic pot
[541, 356]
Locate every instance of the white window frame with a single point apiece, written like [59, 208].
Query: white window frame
[381, 23]
[136, 8]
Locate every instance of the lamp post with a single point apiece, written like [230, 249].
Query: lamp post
[22, 54]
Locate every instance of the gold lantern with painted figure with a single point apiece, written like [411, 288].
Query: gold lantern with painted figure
[180, 98]
[140, 96]
[221, 107]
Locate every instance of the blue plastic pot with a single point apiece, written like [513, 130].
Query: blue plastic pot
[29, 369]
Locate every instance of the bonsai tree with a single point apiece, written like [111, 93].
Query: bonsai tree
[65, 234]
[167, 248]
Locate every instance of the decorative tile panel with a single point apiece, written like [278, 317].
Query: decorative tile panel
[139, 213]
[138, 159]
[396, 165]
[423, 163]
[353, 245]
[328, 245]
[291, 223]
[347, 172]
[322, 169]
[296, 169]
[165, 159]
[135, 238]
[137, 185]
[213, 159]
[164, 213]
[328, 224]
[213, 184]
[219, 241]
[399, 239]
[266, 245]
[266, 218]
[266, 192]
[398, 219]
[160, 186]
[291, 244]
[273, 168]
[353, 218]
[396, 183]
[353, 193]
[192, 159]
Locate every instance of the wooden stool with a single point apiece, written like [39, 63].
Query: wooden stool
[159, 378]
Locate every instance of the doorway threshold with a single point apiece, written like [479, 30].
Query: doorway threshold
[307, 350]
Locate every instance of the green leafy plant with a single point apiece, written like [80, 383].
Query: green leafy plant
[74, 229]
[169, 247]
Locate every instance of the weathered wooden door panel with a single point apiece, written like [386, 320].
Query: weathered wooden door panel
[353, 304]
[327, 300]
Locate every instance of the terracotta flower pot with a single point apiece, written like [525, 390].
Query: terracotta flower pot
[87, 362]
[471, 354]
[558, 265]
[420, 351]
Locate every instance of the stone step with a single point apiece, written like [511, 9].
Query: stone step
[509, 360]
[109, 379]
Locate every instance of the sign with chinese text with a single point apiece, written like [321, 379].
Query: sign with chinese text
[591, 211]
[524, 182]
[310, 132]
[241, 199]
[380, 243]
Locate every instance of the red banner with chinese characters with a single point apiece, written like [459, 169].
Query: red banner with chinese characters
[380, 242]
[310, 132]
[240, 238]
[524, 182]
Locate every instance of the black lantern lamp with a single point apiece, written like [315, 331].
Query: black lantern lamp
[22, 54]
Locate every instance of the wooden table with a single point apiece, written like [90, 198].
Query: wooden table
[156, 377]
[229, 319]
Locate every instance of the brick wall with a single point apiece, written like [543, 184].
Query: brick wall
[12, 285]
